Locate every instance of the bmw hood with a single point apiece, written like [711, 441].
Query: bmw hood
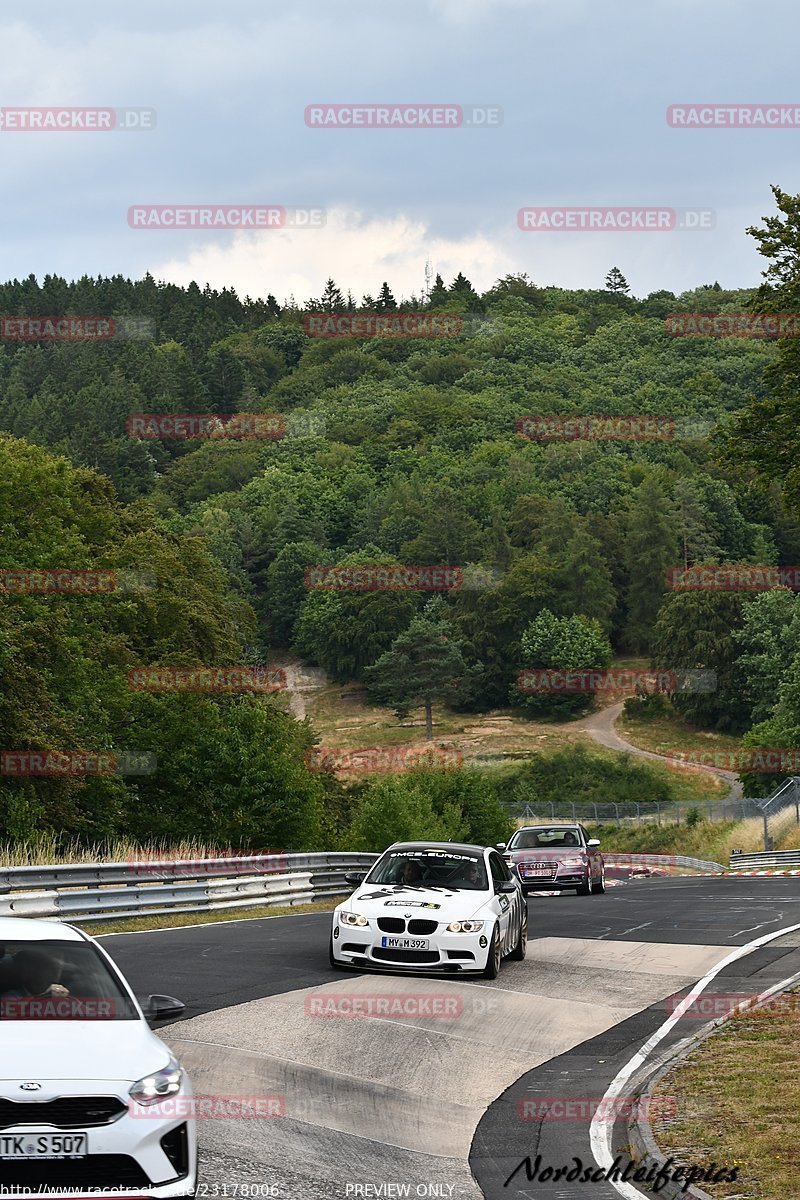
[434, 904]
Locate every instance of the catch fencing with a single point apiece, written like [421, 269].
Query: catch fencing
[646, 812]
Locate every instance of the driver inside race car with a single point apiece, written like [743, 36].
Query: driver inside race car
[410, 872]
[570, 839]
[469, 876]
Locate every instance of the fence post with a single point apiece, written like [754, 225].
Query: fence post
[616, 809]
[796, 801]
[766, 832]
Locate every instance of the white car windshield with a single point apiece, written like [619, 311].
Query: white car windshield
[431, 869]
[546, 838]
[59, 981]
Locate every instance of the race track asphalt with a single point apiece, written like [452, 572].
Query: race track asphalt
[373, 1105]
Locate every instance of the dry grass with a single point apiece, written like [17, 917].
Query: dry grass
[737, 1099]
[47, 850]
[672, 735]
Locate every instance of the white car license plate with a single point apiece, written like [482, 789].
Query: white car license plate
[43, 1145]
[531, 870]
[401, 943]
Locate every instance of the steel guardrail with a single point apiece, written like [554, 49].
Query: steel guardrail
[765, 858]
[113, 891]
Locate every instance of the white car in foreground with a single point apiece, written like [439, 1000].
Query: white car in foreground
[82, 1077]
[432, 906]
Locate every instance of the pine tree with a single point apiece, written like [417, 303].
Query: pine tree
[386, 301]
[438, 295]
[650, 550]
[588, 590]
[616, 282]
[332, 298]
[424, 664]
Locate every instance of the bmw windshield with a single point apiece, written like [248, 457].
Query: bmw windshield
[431, 869]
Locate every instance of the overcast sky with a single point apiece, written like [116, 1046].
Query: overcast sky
[583, 85]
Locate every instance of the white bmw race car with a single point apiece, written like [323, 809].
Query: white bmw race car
[432, 906]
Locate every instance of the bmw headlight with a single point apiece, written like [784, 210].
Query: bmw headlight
[465, 926]
[158, 1086]
[348, 918]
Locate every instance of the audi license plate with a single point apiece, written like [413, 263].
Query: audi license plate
[401, 943]
[531, 870]
[43, 1145]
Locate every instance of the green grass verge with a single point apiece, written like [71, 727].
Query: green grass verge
[736, 1102]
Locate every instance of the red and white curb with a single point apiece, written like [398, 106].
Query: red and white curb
[762, 873]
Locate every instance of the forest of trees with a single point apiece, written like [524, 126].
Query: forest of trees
[397, 450]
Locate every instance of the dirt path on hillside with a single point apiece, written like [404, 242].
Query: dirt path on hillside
[301, 681]
[600, 727]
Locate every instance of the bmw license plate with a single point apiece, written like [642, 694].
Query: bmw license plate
[43, 1145]
[404, 943]
[532, 870]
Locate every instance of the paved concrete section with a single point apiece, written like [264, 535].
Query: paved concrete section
[593, 961]
[416, 1083]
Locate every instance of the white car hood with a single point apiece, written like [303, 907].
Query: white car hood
[432, 904]
[37, 1051]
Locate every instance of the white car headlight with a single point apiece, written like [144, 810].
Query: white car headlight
[348, 918]
[573, 862]
[158, 1086]
[465, 926]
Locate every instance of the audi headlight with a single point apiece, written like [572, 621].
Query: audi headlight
[158, 1086]
[573, 862]
[348, 918]
[465, 926]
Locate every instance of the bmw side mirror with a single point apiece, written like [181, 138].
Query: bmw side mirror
[355, 878]
[162, 1008]
[507, 886]
[501, 845]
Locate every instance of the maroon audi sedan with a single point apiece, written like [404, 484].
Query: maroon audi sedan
[556, 858]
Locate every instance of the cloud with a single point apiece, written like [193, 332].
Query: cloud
[359, 253]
